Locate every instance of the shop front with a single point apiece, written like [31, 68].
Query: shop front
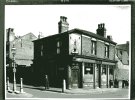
[91, 74]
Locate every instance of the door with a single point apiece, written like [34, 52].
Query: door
[75, 78]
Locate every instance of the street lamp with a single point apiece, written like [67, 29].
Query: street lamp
[13, 50]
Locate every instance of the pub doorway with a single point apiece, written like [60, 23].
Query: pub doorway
[75, 75]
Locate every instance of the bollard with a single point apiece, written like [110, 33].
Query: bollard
[21, 85]
[8, 88]
[120, 84]
[64, 86]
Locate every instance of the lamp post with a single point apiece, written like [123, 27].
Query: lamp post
[14, 69]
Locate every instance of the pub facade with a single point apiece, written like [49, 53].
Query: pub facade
[84, 59]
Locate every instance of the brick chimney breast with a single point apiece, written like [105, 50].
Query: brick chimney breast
[101, 30]
[10, 34]
[63, 24]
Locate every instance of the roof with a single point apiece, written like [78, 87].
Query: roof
[24, 49]
[122, 46]
[80, 31]
[26, 37]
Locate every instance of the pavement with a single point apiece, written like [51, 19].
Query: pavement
[35, 92]
[91, 91]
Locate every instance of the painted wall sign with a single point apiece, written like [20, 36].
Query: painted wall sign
[74, 43]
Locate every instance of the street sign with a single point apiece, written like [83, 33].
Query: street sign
[14, 69]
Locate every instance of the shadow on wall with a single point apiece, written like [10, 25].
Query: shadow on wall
[21, 72]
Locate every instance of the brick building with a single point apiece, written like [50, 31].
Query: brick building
[122, 67]
[23, 56]
[23, 45]
[84, 59]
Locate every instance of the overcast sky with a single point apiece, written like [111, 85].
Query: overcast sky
[45, 18]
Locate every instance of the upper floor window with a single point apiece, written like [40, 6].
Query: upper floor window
[93, 47]
[58, 47]
[107, 51]
[121, 52]
[41, 50]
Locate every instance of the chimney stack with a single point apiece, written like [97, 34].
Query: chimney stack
[101, 30]
[40, 35]
[63, 24]
[10, 34]
[109, 37]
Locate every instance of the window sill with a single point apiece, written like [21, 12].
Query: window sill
[93, 55]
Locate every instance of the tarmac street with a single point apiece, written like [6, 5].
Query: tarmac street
[39, 92]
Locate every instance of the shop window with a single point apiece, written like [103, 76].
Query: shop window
[111, 71]
[88, 68]
[104, 70]
[93, 47]
[107, 51]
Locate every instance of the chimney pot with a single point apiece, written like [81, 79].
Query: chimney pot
[98, 26]
[12, 29]
[103, 25]
[109, 37]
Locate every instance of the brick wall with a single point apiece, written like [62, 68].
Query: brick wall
[111, 52]
[24, 48]
[100, 49]
[50, 46]
[100, 53]
[86, 46]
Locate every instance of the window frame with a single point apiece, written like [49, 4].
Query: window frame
[42, 50]
[59, 44]
[106, 51]
[88, 65]
[93, 47]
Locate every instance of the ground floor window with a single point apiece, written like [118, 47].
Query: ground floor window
[104, 76]
[88, 75]
[88, 68]
[111, 71]
[104, 71]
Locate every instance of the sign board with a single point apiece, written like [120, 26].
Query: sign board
[61, 68]
[99, 61]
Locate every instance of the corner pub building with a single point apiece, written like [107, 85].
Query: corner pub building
[84, 59]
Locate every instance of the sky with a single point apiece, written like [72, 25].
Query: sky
[44, 18]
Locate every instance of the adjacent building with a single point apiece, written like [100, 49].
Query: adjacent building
[23, 57]
[24, 48]
[122, 67]
[84, 59]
